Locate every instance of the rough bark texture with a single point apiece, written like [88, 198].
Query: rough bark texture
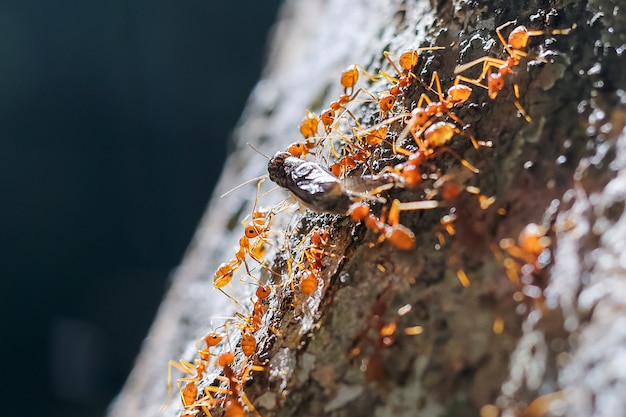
[562, 347]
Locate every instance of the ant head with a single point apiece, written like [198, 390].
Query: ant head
[386, 102]
[328, 117]
[263, 291]
[252, 231]
[297, 149]
[419, 116]
[213, 339]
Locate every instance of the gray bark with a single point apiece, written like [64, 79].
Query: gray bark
[561, 350]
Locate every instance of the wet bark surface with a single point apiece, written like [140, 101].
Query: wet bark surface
[516, 341]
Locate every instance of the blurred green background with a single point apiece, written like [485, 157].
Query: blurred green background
[114, 122]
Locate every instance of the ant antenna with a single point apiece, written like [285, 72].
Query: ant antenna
[261, 178]
[258, 151]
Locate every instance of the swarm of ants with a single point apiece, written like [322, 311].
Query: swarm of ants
[336, 167]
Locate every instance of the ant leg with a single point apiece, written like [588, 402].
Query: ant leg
[452, 152]
[499, 34]
[390, 78]
[393, 218]
[206, 403]
[218, 390]
[488, 62]
[521, 110]
[470, 81]
[184, 367]
[421, 143]
[475, 143]
[250, 368]
[435, 79]
[518, 105]
[367, 74]
[388, 58]
[463, 278]
[248, 404]
[418, 205]
[423, 98]
[231, 298]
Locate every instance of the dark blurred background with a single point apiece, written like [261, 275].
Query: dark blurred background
[114, 122]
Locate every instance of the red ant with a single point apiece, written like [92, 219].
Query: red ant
[384, 336]
[253, 322]
[457, 94]
[308, 126]
[391, 230]
[429, 134]
[407, 61]
[435, 135]
[310, 263]
[532, 243]
[313, 254]
[516, 49]
[410, 170]
[195, 371]
[302, 148]
[356, 152]
[349, 78]
[308, 129]
[251, 244]
[234, 394]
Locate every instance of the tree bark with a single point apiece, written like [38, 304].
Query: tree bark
[551, 344]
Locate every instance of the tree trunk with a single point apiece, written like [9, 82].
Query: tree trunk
[546, 338]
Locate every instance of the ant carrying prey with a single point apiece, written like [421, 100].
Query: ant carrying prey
[320, 190]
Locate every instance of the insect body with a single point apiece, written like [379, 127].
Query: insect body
[318, 189]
